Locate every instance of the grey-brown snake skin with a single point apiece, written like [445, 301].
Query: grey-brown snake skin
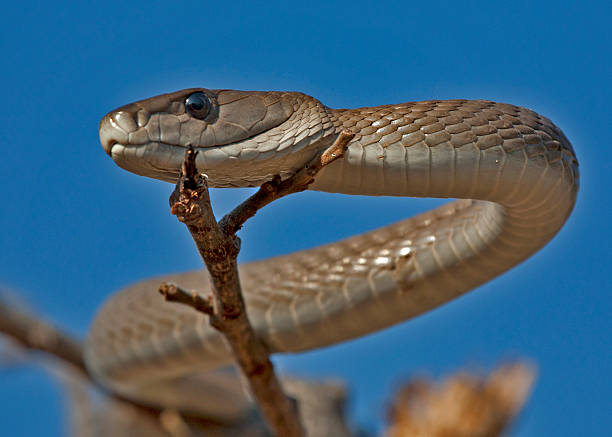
[514, 172]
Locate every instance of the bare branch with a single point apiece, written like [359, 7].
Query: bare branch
[191, 205]
[219, 247]
[32, 333]
[277, 188]
[174, 293]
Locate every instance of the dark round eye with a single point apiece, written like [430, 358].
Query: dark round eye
[198, 105]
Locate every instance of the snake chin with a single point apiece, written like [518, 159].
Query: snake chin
[154, 160]
[163, 162]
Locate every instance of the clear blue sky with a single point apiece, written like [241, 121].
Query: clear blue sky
[75, 227]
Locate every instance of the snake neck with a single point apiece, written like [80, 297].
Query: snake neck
[472, 149]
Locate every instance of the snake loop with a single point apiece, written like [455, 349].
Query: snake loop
[514, 172]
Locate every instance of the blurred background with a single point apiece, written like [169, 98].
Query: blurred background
[74, 227]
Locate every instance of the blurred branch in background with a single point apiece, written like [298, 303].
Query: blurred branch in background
[31, 332]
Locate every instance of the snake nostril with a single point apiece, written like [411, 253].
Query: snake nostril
[142, 117]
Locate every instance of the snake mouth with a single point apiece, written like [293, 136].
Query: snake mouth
[119, 132]
[154, 160]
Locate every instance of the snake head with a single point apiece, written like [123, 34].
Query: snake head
[237, 134]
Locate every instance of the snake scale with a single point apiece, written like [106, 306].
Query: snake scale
[514, 173]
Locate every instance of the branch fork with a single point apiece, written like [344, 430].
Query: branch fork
[219, 246]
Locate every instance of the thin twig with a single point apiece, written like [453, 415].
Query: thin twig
[174, 293]
[277, 188]
[219, 247]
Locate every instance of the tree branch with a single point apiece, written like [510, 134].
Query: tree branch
[219, 247]
[174, 293]
[277, 188]
[33, 333]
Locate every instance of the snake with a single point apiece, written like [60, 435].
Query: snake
[512, 174]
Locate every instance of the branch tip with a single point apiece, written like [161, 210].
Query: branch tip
[276, 188]
[174, 293]
[337, 150]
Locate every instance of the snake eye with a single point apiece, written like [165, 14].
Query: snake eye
[198, 105]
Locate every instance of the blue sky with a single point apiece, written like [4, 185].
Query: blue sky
[75, 227]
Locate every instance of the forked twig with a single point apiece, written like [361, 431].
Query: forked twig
[218, 246]
[277, 188]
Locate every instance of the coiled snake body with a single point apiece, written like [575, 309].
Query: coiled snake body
[514, 172]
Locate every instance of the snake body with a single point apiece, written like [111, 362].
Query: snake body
[514, 172]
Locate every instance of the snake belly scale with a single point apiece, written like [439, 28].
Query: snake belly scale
[514, 173]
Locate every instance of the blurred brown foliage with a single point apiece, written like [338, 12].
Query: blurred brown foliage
[463, 405]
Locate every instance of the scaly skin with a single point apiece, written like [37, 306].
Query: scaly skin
[514, 171]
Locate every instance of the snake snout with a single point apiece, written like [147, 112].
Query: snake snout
[116, 126]
[110, 135]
